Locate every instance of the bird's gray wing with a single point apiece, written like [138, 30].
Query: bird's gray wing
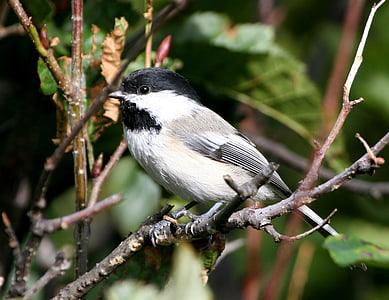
[236, 149]
[215, 138]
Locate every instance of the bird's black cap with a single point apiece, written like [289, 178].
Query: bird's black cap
[158, 79]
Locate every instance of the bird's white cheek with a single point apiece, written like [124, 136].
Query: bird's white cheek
[165, 106]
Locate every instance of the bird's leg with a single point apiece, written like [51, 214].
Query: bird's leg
[183, 211]
[161, 234]
[190, 227]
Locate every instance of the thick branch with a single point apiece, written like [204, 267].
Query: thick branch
[76, 106]
[117, 257]
[262, 217]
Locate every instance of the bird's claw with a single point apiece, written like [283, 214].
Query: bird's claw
[192, 226]
[161, 233]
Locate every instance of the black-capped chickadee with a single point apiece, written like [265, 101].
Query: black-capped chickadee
[186, 147]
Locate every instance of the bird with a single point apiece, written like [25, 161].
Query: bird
[187, 148]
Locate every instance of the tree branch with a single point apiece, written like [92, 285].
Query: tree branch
[110, 263]
[341, 64]
[44, 226]
[77, 107]
[97, 183]
[18, 288]
[280, 152]
[13, 240]
[46, 54]
[40, 227]
[262, 217]
[319, 154]
[59, 267]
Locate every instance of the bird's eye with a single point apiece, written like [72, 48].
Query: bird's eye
[144, 89]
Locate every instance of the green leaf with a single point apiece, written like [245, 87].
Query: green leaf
[201, 27]
[48, 84]
[185, 282]
[251, 38]
[216, 29]
[346, 251]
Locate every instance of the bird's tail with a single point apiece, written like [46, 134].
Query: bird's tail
[314, 219]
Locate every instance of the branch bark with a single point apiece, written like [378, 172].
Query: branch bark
[77, 106]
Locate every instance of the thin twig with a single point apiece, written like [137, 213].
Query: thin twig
[280, 152]
[367, 148]
[52, 225]
[148, 15]
[341, 64]
[244, 191]
[13, 240]
[111, 262]
[261, 217]
[97, 182]
[278, 237]
[319, 155]
[59, 267]
[15, 29]
[40, 227]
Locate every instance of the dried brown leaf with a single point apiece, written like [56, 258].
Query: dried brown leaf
[113, 46]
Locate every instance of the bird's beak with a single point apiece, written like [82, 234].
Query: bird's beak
[117, 95]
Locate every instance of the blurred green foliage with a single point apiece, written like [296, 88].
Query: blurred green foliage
[231, 59]
[183, 284]
[348, 251]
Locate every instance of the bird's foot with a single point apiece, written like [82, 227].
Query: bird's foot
[193, 227]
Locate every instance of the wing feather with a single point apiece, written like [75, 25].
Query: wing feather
[228, 145]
